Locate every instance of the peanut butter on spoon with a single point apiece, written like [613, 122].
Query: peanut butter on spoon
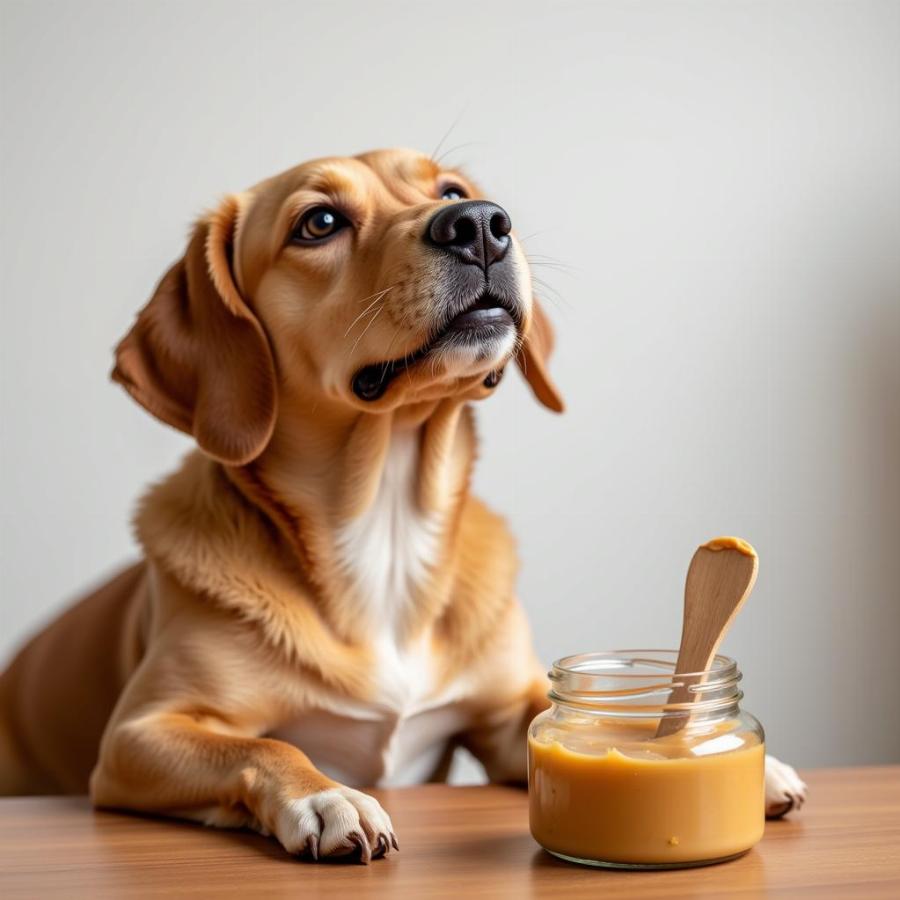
[719, 579]
[730, 543]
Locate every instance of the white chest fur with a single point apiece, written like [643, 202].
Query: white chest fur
[386, 554]
[388, 550]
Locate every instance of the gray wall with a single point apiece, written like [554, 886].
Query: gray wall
[723, 180]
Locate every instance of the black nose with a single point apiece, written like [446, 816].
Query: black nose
[474, 230]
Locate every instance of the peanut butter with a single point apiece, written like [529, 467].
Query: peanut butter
[730, 543]
[621, 798]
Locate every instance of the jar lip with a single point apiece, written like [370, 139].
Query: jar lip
[656, 663]
[636, 683]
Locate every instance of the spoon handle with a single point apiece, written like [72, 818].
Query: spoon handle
[719, 579]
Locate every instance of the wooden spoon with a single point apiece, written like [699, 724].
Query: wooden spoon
[719, 580]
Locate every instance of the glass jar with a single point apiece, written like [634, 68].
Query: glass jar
[605, 790]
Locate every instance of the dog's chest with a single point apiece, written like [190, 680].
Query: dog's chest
[386, 554]
[398, 738]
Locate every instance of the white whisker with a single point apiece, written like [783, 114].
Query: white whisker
[355, 344]
[377, 297]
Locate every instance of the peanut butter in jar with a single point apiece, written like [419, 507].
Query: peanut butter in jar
[604, 790]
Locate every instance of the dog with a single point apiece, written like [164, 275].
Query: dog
[322, 604]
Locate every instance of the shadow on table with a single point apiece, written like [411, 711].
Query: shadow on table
[748, 872]
[244, 838]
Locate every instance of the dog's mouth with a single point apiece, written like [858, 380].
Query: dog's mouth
[488, 318]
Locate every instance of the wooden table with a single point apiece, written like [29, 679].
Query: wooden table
[457, 842]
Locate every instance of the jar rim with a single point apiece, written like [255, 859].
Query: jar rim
[602, 663]
[642, 682]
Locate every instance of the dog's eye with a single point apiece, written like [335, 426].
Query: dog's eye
[453, 192]
[318, 224]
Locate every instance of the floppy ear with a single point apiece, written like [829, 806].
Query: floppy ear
[197, 357]
[533, 357]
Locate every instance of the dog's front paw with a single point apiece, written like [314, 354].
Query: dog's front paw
[785, 790]
[336, 822]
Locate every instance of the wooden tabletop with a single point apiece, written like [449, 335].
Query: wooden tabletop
[461, 842]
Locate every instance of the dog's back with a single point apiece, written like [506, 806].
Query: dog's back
[49, 734]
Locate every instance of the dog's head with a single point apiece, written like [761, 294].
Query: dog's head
[370, 283]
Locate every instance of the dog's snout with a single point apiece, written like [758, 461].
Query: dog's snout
[475, 231]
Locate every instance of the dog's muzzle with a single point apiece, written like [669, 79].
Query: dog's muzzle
[473, 237]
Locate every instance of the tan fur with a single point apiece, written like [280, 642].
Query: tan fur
[160, 688]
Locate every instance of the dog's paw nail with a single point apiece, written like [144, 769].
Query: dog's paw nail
[394, 843]
[313, 846]
[365, 852]
[777, 810]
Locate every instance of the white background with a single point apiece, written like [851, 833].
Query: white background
[723, 180]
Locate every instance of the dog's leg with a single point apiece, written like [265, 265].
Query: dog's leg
[497, 738]
[171, 764]
[785, 790]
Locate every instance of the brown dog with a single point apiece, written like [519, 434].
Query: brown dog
[322, 599]
[323, 603]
